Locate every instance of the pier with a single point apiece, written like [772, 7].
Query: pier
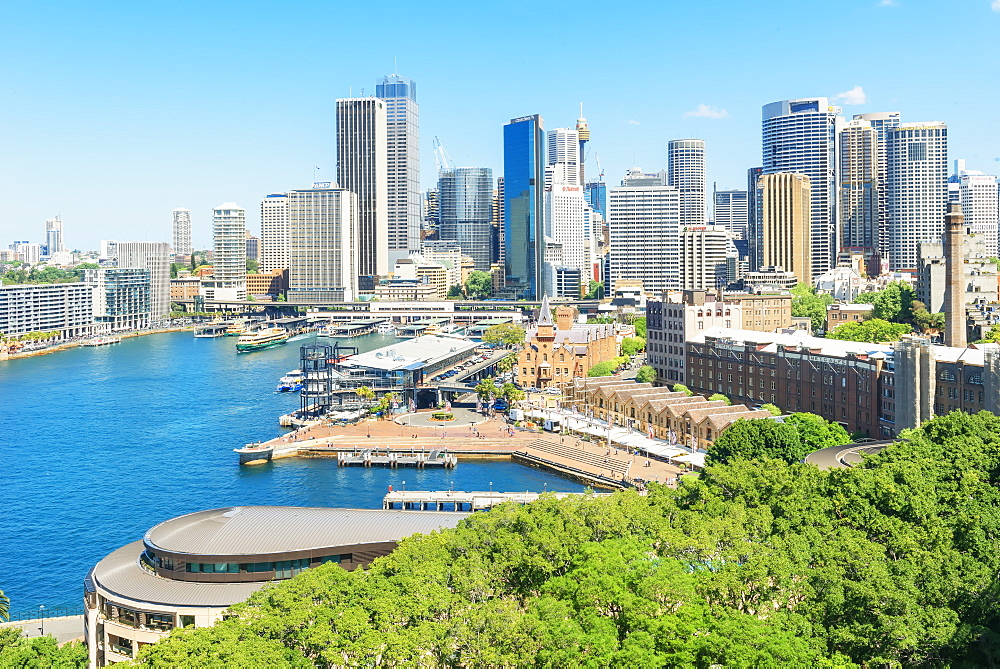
[374, 458]
[450, 500]
[356, 328]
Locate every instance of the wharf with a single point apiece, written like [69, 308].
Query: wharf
[352, 329]
[450, 500]
[393, 459]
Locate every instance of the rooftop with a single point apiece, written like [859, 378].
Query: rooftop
[411, 353]
[833, 347]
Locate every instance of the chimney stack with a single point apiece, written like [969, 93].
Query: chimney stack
[955, 318]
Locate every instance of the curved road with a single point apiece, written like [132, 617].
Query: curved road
[846, 455]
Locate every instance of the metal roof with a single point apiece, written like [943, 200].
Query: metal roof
[256, 530]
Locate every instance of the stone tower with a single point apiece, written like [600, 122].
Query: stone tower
[955, 319]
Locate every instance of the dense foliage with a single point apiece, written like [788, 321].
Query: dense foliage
[892, 563]
[633, 345]
[18, 651]
[790, 440]
[20, 274]
[504, 335]
[872, 330]
[645, 374]
[605, 368]
[479, 285]
[808, 304]
[893, 303]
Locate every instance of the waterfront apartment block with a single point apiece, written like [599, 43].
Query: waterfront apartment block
[64, 308]
[122, 297]
[229, 276]
[182, 232]
[154, 257]
[186, 572]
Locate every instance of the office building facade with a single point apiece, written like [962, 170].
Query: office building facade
[182, 232]
[323, 251]
[54, 236]
[229, 232]
[686, 173]
[66, 309]
[703, 257]
[981, 206]
[524, 234]
[403, 163]
[730, 212]
[363, 169]
[644, 228]
[859, 185]
[880, 123]
[274, 232]
[154, 257]
[800, 136]
[465, 196]
[785, 223]
[917, 188]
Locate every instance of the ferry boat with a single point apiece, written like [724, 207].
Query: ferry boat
[385, 328]
[290, 382]
[237, 329]
[261, 339]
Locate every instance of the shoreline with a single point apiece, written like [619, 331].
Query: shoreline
[76, 344]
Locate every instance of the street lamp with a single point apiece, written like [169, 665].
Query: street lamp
[404, 486]
[41, 617]
[491, 487]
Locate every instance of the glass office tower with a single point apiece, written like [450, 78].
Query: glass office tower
[466, 209]
[523, 174]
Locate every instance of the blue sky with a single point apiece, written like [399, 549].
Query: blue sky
[114, 113]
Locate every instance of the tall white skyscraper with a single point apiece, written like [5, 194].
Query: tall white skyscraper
[801, 136]
[362, 168]
[731, 212]
[980, 206]
[567, 219]
[703, 256]
[403, 155]
[917, 165]
[54, 236]
[564, 161]
[229, 240]
[859, 185]
[686, 173]
[322, 245]
[274, 232]
[880, 123]
[644, 224]
[182, 232]
[154, 257]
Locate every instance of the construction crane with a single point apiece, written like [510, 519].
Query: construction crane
[441, 157]
[597, 157]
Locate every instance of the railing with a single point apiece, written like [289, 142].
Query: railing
[36, 614]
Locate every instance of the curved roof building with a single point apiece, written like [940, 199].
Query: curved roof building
[188, 570]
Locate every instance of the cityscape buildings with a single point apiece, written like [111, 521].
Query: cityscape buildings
[54, 236]
[229, 276]
[880, 122]
[859, 185]
[65, 309]
[785, 223]
[644, 228]
[403, 204]
[182, 232]
[730, 212]
[524, 216]
[465, 196]
[323, 253]
[155, 258]
[122, 297]
[274, 232]
[980, 202]
[362, 168]
[686, 173]
[800, 136]
[703, 251]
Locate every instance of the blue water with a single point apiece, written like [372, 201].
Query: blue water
[97, 445]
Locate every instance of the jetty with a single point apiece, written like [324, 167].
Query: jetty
[369, 457]
[451, 500]
[355, 328]
[101, 341]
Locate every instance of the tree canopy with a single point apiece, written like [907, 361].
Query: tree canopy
[19, 651]
[816, 432]
[646, 374]
[892, 303]
[806, 303]
[719, 397]
[633, 345]
[872, 330]
[758, 439]
[605, 368]
[681, 388]
[640, 327]
[504, 334]
[894, 562]
[479, 285]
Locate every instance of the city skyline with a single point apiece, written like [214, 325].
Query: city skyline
[150, 112]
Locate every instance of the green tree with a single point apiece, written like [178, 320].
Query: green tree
[506, 363]
[681, 388]
[595, 291]
[479, 285]
[19, 651]
[252, 266]
[773, 408]
[640, 326]
[507, 335]
[605, 368]
[4, 606]
[633, 345]
[925, 320]
[194, 261]
[511, 393]
[366, 394]
[646, 374]
[174, 268]
[757, 439]
[873, 330]
[455, 293]
[816, 432]
[486, 389]
[892, 303]
[719, 397]
[806, 303]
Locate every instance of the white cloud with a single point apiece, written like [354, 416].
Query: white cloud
[707, 111]
[887, 3]
[633, 122]
[855, 96]
[995, 5]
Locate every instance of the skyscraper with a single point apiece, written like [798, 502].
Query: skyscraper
[54, 236]
[274, 232]
[801, 136]
[253, 247]
[322, 244]
[880, 123]
[703, 257]
[154, 257]
[917, 189]
[403, 169]
[754, 251]
[686, 173]
[785, 223]
[524, 234]
[859, 185]
[567, 216]
[563, 164]
[229, 276]
[362, 168]
[980, 205]
[583, 133]
[466, 209]
[596, 193]
[730, 211]
[182, 232]
[644, 229]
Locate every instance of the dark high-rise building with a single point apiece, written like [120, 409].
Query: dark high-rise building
[523, 174]
[596, 193]
[466, 203]
[753, 217]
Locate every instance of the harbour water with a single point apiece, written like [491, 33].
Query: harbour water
[99, 444]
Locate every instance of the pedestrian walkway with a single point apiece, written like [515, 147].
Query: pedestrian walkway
[66, 628]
